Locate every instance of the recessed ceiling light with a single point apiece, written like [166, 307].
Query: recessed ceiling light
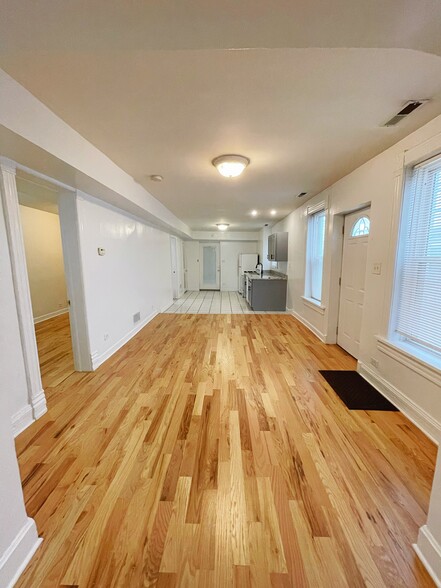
[273, 212]
[254, 212]
[156, 178]
[222, 226]
[230, 166]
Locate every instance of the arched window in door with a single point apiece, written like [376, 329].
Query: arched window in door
[361, 227]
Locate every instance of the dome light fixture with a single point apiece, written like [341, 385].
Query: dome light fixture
[222, 226]
[273, 212]
[230, 166]
[156, 178]
[254, 213]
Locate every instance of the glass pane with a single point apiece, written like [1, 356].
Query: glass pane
[318, 223]
[209, 266]
[361, 227]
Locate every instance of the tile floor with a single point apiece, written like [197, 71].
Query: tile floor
[212, 302]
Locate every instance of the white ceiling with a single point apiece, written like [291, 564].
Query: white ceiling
[162, 89]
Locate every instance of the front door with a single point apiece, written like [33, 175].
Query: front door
[356, 237]
[210, 267]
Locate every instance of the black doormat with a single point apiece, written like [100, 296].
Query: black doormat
[355, 391]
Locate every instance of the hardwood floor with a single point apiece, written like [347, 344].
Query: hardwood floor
[209, 452]
[54, 350]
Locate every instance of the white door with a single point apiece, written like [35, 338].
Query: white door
[353, 276]
[191, 263]
[210, 267]
[174, 266]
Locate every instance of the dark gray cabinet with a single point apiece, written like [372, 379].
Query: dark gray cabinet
[268, 294]
[278, 247]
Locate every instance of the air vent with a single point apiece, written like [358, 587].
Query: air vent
[136, 317]
[301, 194]
[407, 109]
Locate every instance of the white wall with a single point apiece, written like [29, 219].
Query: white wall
[12, 367]
[229, 253]
[133, 276]
[44, 260]
[18, 535]
[414, 389]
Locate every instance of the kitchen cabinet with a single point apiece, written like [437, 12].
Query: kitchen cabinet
[267, 294]
[278, 247]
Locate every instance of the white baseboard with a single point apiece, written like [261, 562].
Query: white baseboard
[18, 554]
[97, 360]
[429, 551]
[22, 419]
[307, 324]
[39, 404]
[49, 315]
[423, 420]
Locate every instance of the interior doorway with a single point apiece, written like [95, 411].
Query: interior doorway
[353, 277]
[40, 224]
[210, 266]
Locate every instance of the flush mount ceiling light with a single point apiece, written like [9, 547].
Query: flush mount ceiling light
[222, 226]
[156, 178]
[230, 166]
[273, 212]
[254, 212]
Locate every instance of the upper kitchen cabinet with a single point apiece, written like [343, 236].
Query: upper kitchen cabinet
[278, 247]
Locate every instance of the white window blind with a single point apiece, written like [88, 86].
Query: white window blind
[418, 318]
[315, 251]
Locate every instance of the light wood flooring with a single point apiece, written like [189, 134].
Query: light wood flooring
[213, 302]
[54, 350]
[209, 452]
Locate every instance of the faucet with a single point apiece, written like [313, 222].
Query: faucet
[260, 272]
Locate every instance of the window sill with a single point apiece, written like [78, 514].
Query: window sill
[314, 304]
[412, 358]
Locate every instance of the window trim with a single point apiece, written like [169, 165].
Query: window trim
[314, 304]
[406, 354]
[394, 342]
[307, 298]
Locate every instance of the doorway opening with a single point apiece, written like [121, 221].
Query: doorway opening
[353, 278]
[40, 224]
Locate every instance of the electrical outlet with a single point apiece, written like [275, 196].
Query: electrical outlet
[375, 362]
[376, 269]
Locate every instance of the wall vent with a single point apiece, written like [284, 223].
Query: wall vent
[407, 109]
[136, 317]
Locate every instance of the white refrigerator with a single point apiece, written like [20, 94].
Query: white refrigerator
[247, 263]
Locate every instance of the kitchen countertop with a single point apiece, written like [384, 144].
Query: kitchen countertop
[266, 276]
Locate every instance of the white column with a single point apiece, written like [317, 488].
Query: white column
[428, 546]
[9, 196]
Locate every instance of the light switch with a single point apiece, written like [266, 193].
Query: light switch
[376, 269]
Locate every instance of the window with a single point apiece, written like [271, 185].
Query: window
[361, 227]
[314, 255]
[417, 320]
